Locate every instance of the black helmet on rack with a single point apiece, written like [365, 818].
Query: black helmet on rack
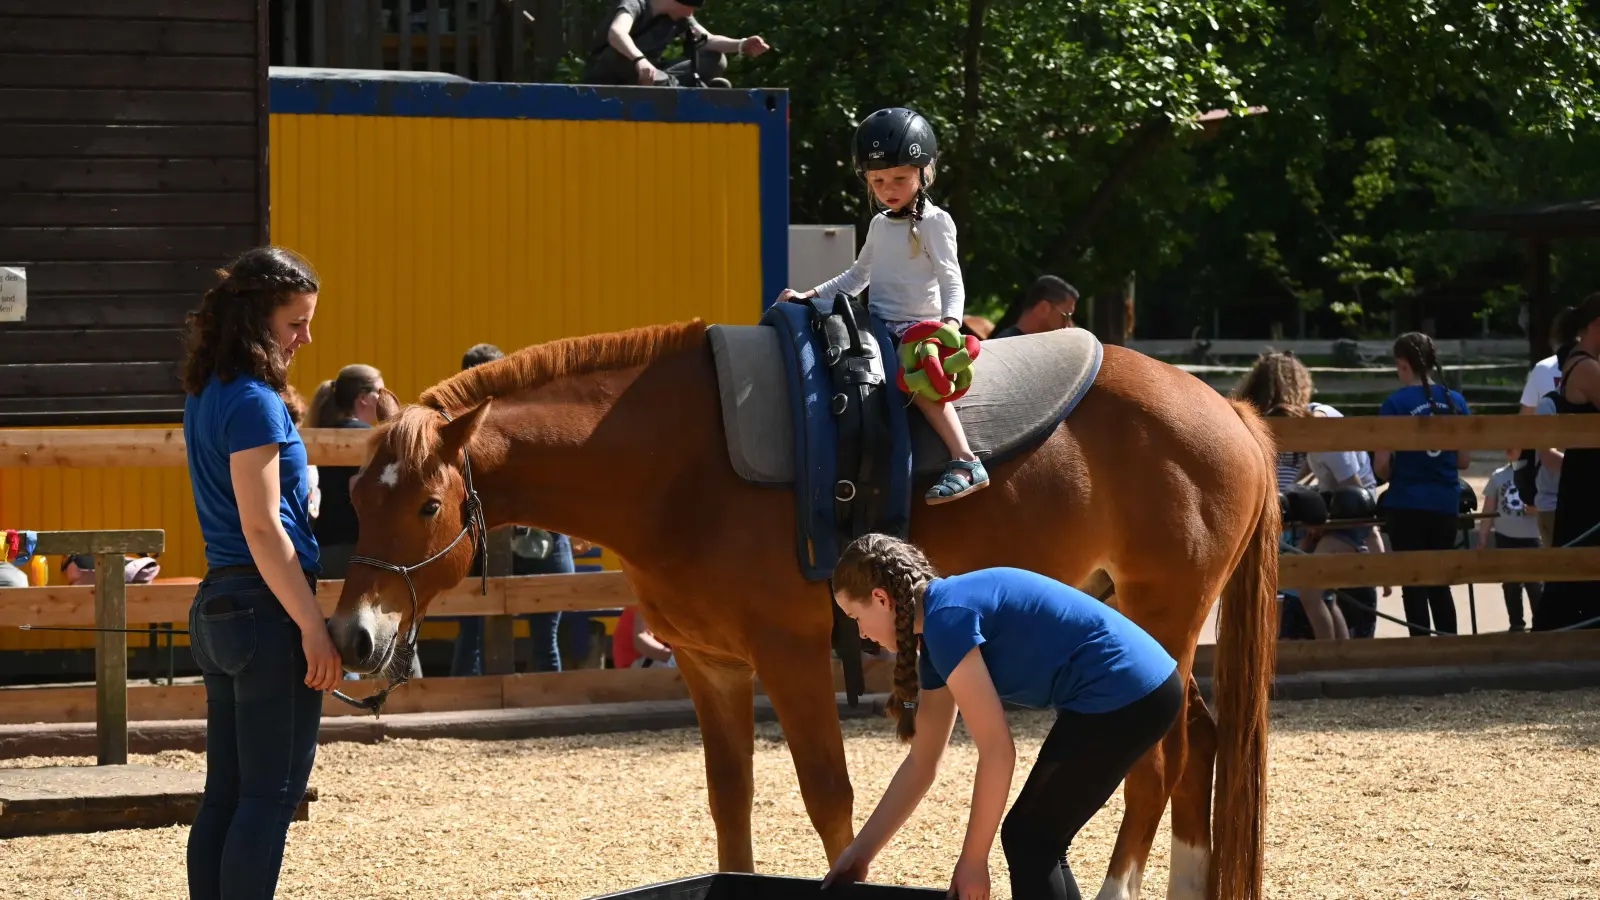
[894, 137]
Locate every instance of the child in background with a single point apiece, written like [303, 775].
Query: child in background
[1514, 527]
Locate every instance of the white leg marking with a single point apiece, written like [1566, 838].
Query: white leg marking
[1190, 863]
[1125, 887]
[391, 475]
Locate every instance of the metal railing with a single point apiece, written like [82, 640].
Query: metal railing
[485, 40]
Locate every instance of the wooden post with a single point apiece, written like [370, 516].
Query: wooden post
[110, 660]
[110, 611]
[1540, 316]
[499, 635]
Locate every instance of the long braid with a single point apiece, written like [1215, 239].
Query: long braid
[1418, 351]
[879, 561]
[915, 210]
[918, 208]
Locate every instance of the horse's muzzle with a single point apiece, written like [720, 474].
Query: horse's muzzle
[365, 641]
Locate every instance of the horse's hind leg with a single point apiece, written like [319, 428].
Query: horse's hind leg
[1191, 803]
[797, 674]
[1152, 780]
[724, 701]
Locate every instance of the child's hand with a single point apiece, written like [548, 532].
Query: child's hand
[851, 867]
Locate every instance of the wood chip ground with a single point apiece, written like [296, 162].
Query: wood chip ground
[1488, 795]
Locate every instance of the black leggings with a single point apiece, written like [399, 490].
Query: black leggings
[1084, 758]
[1419, 529]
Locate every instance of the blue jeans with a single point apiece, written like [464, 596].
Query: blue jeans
[468, 657]
[261, 736]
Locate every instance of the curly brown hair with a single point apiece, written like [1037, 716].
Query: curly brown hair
[231, 333]
[901, 569]
[1277, 385]
[295, 403]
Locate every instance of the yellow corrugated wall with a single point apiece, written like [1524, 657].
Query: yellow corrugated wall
[432, 235]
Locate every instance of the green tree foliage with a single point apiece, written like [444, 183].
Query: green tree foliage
[1076, 139]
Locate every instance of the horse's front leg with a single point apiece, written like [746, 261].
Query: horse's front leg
[724, 700]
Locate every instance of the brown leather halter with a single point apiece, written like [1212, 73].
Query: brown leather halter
[473, 524]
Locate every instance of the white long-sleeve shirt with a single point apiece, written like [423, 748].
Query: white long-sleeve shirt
[906, 288]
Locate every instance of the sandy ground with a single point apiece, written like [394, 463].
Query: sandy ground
[1487, 795]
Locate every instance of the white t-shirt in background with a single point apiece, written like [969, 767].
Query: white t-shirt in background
[1542, 379]
[1334, 466]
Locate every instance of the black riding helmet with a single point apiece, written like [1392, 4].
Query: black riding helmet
[894, 137]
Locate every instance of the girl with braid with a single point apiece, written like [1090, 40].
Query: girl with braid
[1423, 501]
[909, 259]
[973, 641]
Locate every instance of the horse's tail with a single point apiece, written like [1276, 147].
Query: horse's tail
[1247, 626]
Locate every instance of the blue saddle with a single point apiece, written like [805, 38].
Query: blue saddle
[841, 389]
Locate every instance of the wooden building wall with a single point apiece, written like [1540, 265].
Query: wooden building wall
[133, 154]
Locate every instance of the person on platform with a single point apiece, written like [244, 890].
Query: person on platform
[629, 47]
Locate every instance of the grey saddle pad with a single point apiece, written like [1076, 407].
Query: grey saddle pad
[1022, 387]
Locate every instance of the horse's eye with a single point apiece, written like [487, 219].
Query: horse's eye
[431, 508]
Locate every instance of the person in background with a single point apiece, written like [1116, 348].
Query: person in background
[534, 551]
[629, 47]
[1278, 384]
[1423, 502]
[634, 646]
[1514, 526]
[1545, 375]
[256, 630]
[79, 569]
[354, 399]
[1048, 305]
[1567, 603]
[1547, 481]
[296, 405]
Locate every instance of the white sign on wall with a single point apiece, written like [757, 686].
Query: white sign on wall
[13, 294]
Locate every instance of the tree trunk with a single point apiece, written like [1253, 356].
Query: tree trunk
[1150, 138]
[971, 108]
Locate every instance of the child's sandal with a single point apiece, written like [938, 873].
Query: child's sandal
[952, 486]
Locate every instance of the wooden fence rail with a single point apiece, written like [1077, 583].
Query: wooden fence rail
[515, 595]
[46, 447]
[521, 594]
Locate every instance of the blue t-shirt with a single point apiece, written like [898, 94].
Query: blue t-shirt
[1046, 645]
[1424, 479]
[237, 415]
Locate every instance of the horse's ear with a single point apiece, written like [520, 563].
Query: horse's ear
[458, 432]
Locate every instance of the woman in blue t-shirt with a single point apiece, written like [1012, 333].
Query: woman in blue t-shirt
[1007, 635]
[256, 629]
[1423, 502]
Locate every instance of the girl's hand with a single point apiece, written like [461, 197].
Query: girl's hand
[970, 881]
[323, 666]
[790, 295]
[850, 867]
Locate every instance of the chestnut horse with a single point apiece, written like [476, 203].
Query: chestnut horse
[1155, 480]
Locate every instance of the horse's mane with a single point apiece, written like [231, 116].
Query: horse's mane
[413, 435]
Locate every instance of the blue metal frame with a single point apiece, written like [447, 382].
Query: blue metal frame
[764, 108]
